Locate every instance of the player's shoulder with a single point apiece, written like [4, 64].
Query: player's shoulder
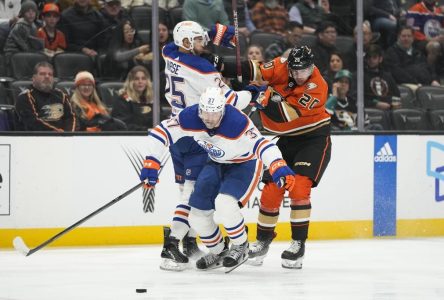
[316, 81]
[233, 124]
[191, 61]
[189, 119]
[275, 66]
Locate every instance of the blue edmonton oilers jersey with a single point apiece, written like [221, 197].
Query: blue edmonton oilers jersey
[187, 77]
[236, 140]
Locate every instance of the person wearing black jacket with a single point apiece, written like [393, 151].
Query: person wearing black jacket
[407, 63]
[43, 108]
[84, 28]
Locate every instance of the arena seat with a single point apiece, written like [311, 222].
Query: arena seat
[408, 98]
[436, 119]
[66, 86]
[378, 116]
[22, 64]
[68, 64]
[409, 119]
[264, 39]
[141, 16]
[17, 87]
[109, 91]
[430, 97]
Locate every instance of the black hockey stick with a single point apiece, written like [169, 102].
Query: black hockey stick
[236, 34]
[21, 247]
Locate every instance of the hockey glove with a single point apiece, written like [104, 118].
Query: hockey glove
[282, 175]
[260, 94]
[150, 171]
[222, 35]
[216, 60]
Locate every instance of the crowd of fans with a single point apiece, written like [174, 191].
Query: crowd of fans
[403, 46]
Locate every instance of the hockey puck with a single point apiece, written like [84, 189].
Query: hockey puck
[140, 290]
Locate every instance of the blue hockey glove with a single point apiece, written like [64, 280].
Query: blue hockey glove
[260, 94]
[222, 35]
[150, 171]
[282, 175]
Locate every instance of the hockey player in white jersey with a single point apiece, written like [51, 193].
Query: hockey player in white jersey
[236, 150]
[187, 76]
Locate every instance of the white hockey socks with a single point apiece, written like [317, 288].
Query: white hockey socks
[228, 212]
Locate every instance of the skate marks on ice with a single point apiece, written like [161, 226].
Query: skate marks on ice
[364, 269]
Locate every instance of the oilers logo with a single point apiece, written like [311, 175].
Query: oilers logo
[211, 149]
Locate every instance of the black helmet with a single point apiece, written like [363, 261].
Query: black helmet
[300, 58]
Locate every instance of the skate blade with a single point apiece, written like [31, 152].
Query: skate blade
[256, 261]
[292, 264]
[170, 265]
[213, 267]
[230, 269]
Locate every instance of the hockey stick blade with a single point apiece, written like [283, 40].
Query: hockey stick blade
[20, 246]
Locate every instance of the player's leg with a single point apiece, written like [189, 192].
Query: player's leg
[309, 163]
[202, 216]
[271, 199]
[239, 181]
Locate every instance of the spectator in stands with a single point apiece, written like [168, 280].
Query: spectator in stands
[309, 13]
[380, 89]
[23, 35]
[384, 16]
[164, 38]
[408, 64]
[427, 18]
[92, 115]
[54, 39]
[84, 28]
[124, 52]
[165, 4]
[336, 64]
[291, 39]
[206, 13]
[43, 108]
[350, 57]
[324, 45]
[9, 11]
[270, 16]
[135, 104]
[114, 15]
[255, 52]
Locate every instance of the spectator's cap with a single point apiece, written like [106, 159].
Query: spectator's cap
[84, 77]
[50, 8]
[112, 1]
[373, 50]
[344, 73]
[27, 5]
[324, 25]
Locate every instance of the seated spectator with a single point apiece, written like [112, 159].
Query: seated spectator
[206, 13]
[270, 16]
[380, 89]
[384, 16]
[54, 39]
[125, 51]
[408, 64]
[336, 64]
[291, 39]
[23, 35]
[427, 19]
[91, 113]
[165, 4]
[308, 13]
[114, 14]
[43, 108]
[350, 57]
[84, 28]
[135, 104]
[255, 52]
[8, 16]
[324, 45]
[164, 38]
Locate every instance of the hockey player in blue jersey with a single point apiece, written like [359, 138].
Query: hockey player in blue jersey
[187, 76]
[236, 151]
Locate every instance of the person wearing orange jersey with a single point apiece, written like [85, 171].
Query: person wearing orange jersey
[293, 108]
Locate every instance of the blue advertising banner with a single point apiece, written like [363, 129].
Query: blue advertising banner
[384, 185]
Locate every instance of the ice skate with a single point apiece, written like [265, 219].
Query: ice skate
[259, 250]
[292, 257]
[213, 261]
[237, 255]
[172, 258]
[191, 249]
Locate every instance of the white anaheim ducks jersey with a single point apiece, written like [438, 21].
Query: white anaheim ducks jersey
[236, 140]
[187, 77]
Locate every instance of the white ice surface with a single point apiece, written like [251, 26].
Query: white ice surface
[376, 269]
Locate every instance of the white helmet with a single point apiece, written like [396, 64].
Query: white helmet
[189, 30]
[212, 107]
[212, 100]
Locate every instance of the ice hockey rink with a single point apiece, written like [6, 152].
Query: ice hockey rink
[346, 269]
